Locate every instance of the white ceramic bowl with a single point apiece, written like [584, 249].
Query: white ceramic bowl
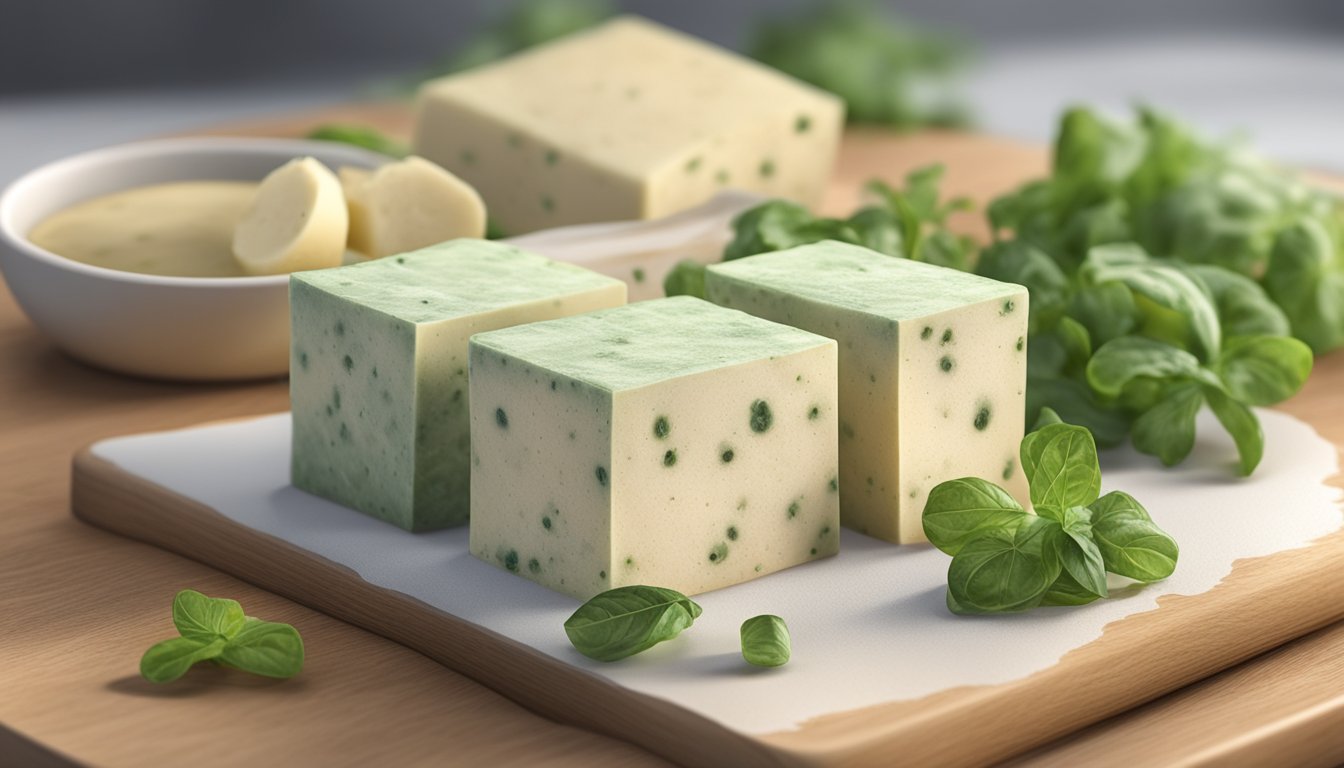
[185, 328]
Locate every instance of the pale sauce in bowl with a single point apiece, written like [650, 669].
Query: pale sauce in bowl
[182, 229]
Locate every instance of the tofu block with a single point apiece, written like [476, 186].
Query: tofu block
[628, 120]
[378, 373]
[669, 442]
[933, 370]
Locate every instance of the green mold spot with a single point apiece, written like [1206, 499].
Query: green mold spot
[510, 559]
[629, 562]
[303, 360]
[602, 476]
[732, 533]
[515, 140]
[693, 165]
[846, 431]
[767, 169]
[814, 552]
[638, 274]
[834, 485]
[534, 565]
[374, 372]
[501, 418]
[793, 510]
[467, 157]
[547, 203]
[661, 427]
[947, 336]
[345, 432]
[602, 575]
[546, 522]
[1008, 468]
[1008, 306]
[761, 418]
[722, 176]
[340, 328]
[813, 413]
[926, 333]
[945, 364]
[802, 124]
[726, 455]
[719, 553]
[670, 457]
[348, 362]
[1021, 342]
[552, 157]
[982, 417]
[758, 568]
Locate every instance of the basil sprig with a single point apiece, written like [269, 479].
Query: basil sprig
[765, 641]
[1005, 559]
[217, 630]
[627, 620]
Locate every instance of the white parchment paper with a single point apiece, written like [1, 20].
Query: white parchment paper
[869, 626]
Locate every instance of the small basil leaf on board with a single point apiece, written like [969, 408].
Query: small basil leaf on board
[1078, 553]
[265, 648]
[1005, 570]
[765, 641]
[1264, 370]
[1119, 361]
[1130, 543]
[1060, 461]
[1067, 591]
[1046, 418]
[1242, 424]
[167, 661]
[687, 278]
[627, 620]
[1167, 430]
[958, 510]
[206, 618]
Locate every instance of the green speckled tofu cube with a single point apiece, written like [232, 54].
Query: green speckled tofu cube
[669, 442]
[933, 370]
[378, 375]
[627, 120]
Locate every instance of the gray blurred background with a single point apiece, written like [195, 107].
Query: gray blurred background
[76, 74]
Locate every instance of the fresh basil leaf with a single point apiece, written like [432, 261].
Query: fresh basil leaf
[765, 641]
[363, 136]
[687, 278]
[1244, 309]
[1075, 403]
[170, 659]
[959, 510]
[878, 229]
[1078, 554]
[1264, 370]
[1130, 543]
[1106, 310]
[1164, 287]
[1304, 278]
[1119, 361]
[206, 618]
[1046, 418]
[265, 648]
[1093, 155]
[1060, 462]
[627, 620]
[1061, 351]
[770, 226]
[1005, 570]
[1242, 424]
[1167, 430]
[1086, 228]
[1067, 591]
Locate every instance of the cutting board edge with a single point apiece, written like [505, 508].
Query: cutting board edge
[108, 497]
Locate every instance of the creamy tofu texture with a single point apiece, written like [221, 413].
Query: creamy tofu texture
[669, 442]
[378, 374]
[932, 370]
[558, 135]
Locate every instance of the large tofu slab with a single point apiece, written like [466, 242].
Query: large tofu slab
[669, 442]
[629, 120]
[378, 375]
[933, 369]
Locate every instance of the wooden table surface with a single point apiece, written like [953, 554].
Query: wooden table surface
[78, 606]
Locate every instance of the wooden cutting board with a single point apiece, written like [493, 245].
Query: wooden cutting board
[1287, 594]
